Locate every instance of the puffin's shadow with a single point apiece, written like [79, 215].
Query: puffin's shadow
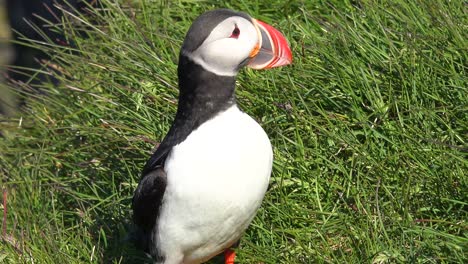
[117, 245]
[120, 249]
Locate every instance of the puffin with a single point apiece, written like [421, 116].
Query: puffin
[201, 188]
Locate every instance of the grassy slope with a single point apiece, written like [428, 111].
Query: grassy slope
[368, 126]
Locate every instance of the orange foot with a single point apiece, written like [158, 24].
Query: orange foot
[229, 256]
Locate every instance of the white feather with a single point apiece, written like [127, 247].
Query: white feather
[217, 179]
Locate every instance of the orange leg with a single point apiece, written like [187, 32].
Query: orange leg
[229, 256]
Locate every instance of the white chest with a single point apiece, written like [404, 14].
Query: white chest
[217, 179]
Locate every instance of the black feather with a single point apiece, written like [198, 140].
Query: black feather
[146, 204]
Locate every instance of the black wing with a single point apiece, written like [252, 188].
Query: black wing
[146, 205]
[148, 196]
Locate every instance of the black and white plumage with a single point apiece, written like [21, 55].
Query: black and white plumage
[203, 185]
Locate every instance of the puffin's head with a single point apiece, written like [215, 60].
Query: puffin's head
[222, 41]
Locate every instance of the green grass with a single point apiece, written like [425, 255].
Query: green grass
[369, 128]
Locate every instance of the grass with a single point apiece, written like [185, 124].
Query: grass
[369, 128]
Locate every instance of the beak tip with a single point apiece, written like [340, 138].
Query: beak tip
[288, 58]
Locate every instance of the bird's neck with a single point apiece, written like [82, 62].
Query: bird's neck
[203, 94]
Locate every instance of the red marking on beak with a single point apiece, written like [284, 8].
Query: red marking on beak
[273, 49]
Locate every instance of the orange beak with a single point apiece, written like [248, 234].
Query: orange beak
[272, 50]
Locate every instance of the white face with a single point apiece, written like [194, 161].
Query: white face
[227, 46]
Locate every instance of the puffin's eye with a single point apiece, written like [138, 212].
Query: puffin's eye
[235, 33]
